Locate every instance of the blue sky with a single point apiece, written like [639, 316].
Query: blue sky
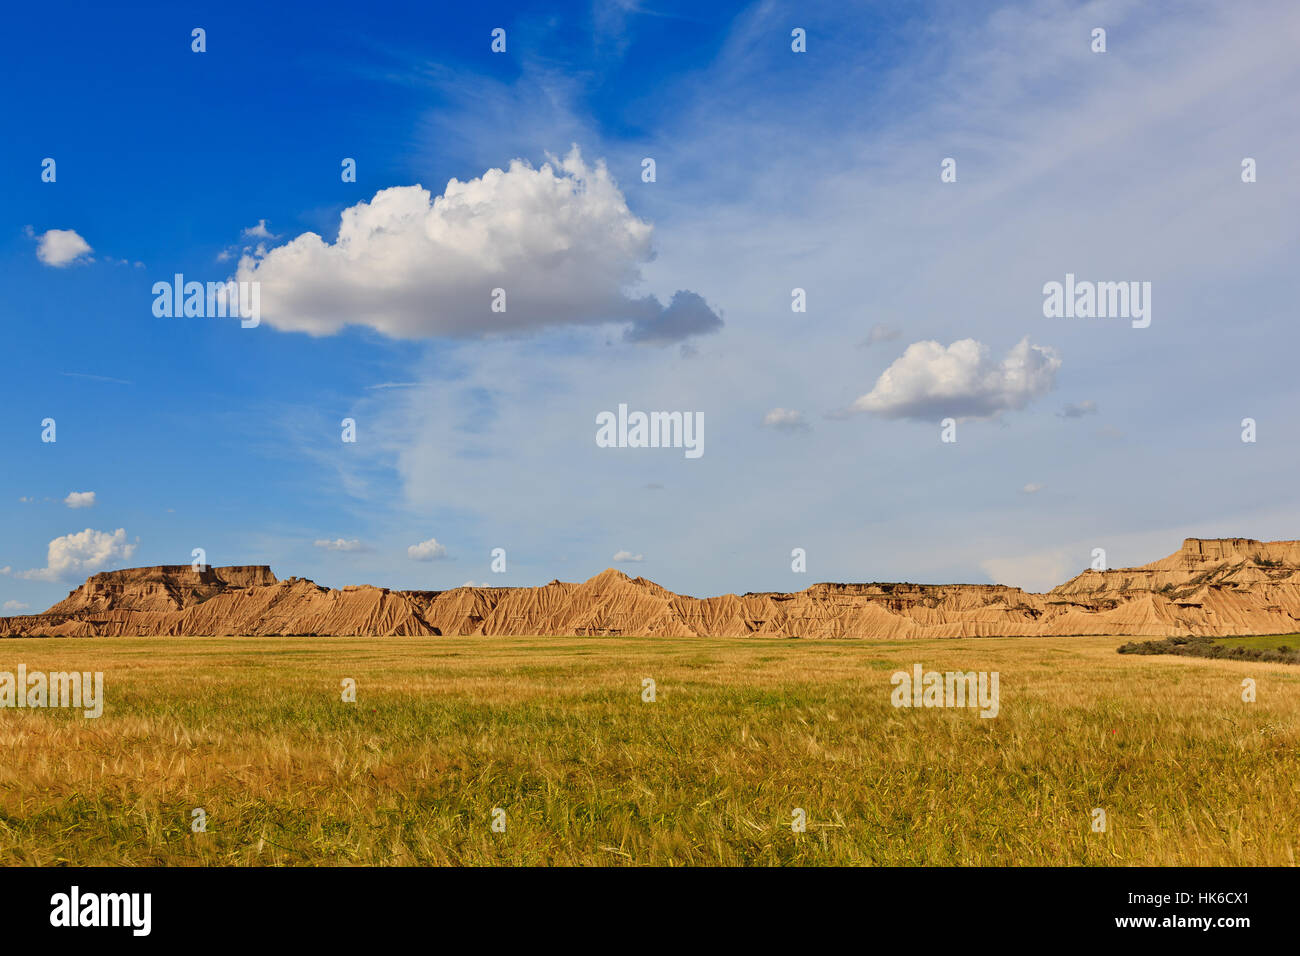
[775, 170]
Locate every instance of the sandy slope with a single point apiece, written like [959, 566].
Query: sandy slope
[1210, 586]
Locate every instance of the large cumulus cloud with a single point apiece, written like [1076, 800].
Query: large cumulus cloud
[560, 240]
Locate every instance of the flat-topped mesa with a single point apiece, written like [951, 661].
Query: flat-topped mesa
[166, 587]
[1216, 586]
[905, 588]
[1200, 563]
[1219, 549]
[235, 576]
[1198, 552]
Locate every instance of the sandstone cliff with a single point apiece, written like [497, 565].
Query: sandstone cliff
[1216, 586]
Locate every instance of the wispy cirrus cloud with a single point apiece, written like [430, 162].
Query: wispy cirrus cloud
[341, 544]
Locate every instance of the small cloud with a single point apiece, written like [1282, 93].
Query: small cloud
[12, 607]
[6, 569]
[880, 333]
[471, 584]
[340, 544]
[1032, 488]
[929, 382]
[654, 486]
[80, 553]
[61, 247]
[429, 550]
[97, 378]
[685, 315]
[1078, 409]
[259, 231]
[80, 499]
[627, 556]
[225, 255]
[785, 419]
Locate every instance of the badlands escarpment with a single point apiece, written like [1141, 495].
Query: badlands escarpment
[1218, 586]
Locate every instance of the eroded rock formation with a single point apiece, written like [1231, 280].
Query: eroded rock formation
[1218, 586]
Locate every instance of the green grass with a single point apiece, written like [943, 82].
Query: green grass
[1264, 641]
[554, 731]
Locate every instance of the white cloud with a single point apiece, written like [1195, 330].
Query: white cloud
[61, 247]
[559, 240]
[929, 381]
[81, 553]
[1032, 488]
[429, 550]
[785, 419]
[626, 556]
[259, 231]
[80, 499]
[12, 607]
[341, 544]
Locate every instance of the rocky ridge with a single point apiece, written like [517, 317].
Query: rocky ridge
[1216, 586]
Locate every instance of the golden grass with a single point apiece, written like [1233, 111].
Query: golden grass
[554, 731]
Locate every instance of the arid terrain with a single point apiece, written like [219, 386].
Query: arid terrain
[1217, 587]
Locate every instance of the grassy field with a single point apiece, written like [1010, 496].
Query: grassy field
[554, 732]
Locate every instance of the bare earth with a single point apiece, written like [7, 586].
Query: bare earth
[1218, 587]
